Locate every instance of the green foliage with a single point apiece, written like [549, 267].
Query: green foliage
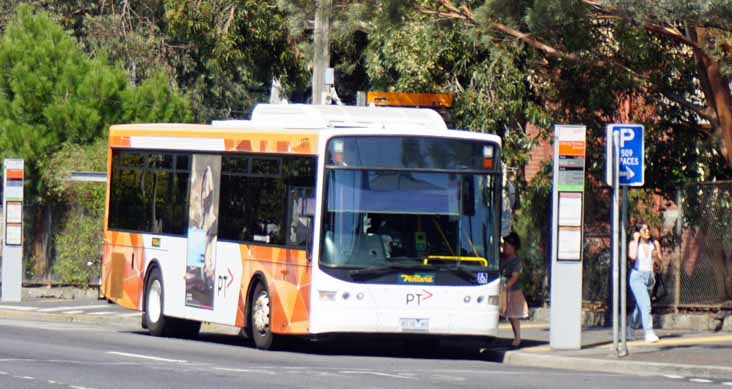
[617, 57]
[415, 54]
[56, 103]
[155, 100]
[50, 91]
[80, 206]
[231, 51]
[74, 157]
[78, 247]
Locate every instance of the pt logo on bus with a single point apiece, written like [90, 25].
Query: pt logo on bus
[418, 298]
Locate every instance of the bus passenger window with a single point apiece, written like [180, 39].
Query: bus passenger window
[302, 210]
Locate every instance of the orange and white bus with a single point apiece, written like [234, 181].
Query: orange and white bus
[306, 220]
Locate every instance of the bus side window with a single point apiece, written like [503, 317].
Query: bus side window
[302, 210]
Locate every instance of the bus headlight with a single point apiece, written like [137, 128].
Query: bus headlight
[492, 300]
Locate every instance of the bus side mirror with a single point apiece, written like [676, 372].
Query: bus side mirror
[510, 203]
[512, 191]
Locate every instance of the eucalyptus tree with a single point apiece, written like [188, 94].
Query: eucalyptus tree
[671, 57]
[668, 62]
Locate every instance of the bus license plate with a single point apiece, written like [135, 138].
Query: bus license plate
[415, 325]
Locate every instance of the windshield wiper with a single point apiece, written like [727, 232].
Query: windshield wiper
[371, 272]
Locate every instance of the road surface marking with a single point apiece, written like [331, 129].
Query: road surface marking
[376, 373]
[23, 377]
[675, 377]
[130, 314]
[506, 326]
[146, 357]
[536, 349]
[17, 308]
[448, 377]
[57, 309]
[701, 380]
[268, 372]
[102, 313]
[72, 312]
[727, 383]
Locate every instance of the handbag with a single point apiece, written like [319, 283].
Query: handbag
[503, 301]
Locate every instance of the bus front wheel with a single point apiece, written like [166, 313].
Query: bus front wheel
[261, 318]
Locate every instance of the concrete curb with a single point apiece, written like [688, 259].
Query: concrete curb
[106, 320]
[58, 292]
[551, 361]
[65, 318]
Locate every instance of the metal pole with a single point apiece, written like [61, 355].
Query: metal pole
[614, 223]
[623, 278]
[321, 44]
[677, 260]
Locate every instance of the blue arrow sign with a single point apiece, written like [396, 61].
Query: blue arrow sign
[632, 153]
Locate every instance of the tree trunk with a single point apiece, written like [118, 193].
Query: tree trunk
[39, 242]
[717, 92]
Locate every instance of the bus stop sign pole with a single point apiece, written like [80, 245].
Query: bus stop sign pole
[12, 256]
[625, 167]
[567, 220]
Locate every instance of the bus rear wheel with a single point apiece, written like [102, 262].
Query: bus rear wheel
[155, 321]
[261, 318]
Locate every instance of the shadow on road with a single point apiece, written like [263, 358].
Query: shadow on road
[382, 346]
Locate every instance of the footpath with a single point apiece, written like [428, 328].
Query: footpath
[692, 354]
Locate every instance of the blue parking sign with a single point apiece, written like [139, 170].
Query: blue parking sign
[632, 154]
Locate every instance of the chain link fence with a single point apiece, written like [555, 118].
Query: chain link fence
[44, 229]
[696, 270]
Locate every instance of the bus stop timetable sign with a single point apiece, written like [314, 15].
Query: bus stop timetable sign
[632, 149]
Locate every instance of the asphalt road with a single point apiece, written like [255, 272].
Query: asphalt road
[73, 355]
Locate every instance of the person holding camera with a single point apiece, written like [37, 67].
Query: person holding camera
[643, 250]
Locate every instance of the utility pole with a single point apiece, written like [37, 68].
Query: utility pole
[321, 57]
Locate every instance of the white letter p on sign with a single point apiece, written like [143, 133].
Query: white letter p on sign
[626, 134]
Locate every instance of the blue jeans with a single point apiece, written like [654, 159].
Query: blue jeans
[641, 283]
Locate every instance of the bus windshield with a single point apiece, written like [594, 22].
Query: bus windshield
[375, 218]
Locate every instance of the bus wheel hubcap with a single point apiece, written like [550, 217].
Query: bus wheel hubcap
[260, 318]
[153, 302]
